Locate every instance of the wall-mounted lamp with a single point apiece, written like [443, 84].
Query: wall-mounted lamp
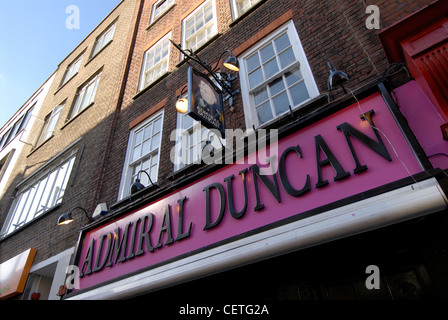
[225, 80]
[182, 102]
[231, 63]
[66, 218]
[336, 78]
[137, 186]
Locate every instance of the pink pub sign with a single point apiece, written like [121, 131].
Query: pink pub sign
[354, 150]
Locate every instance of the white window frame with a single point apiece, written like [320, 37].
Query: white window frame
[158, 65]
[196, 14]
[84, 97]
[39, 195]
[192, 138]
[159, 8]
[129, 174]
[237, 11]
[72, 69]
[104, 38]
[51, 121]
[301, 61]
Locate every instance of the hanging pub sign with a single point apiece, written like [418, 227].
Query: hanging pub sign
[205, 103]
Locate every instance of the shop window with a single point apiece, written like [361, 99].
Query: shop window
[275, 75]
[103, 39]
[159, 8]
[85, 95]
[143, 153]
[200, 26]
[155, 62]
[38, 196]
[50, 122]
[72, 70]
[46, 278]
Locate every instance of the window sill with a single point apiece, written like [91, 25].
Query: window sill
[142, 193]
[40, 145]
[96, 54]
[68, 121]
[297, 112]
[248, 12]
[212, 39]
[2, 238]
[65, 83]
[184, 171]
[161, 16]
[142, 91]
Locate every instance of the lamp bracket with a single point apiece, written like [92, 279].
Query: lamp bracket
[225, 84]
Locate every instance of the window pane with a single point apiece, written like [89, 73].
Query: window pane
[157, 125]
[267, 53]
[155, 141]
[276, 86]
[264, 113]
[255, 78]
[190, 23]
[270, 68]
[281, 103]
[146, 147]
[299, 93]
[253, 63]
[136, 153]
[38, 198]
[286, 58]
[261, 96]
[188, 121]
[27, 207]
[282, 42]
[20, 204]
[138, 137]
[293, 77]
[153, 173]
[51, 189]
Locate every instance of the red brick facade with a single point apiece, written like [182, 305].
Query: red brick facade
[329, 31]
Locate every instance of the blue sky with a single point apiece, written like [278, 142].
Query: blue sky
[34, 39]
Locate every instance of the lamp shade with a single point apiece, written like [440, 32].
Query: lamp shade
[182, 105]
[336, 78]
[65, 218]
[232, 63]
[136, 186]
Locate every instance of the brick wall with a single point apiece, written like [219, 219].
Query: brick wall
[329, 31]
[90, 128]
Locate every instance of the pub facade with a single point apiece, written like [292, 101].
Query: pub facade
[272, 150]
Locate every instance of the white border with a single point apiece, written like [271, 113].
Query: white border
[124, 190]
[249, 110]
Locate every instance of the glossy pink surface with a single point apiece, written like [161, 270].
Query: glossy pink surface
[379, 172]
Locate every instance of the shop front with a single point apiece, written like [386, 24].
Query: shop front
[346, 170]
